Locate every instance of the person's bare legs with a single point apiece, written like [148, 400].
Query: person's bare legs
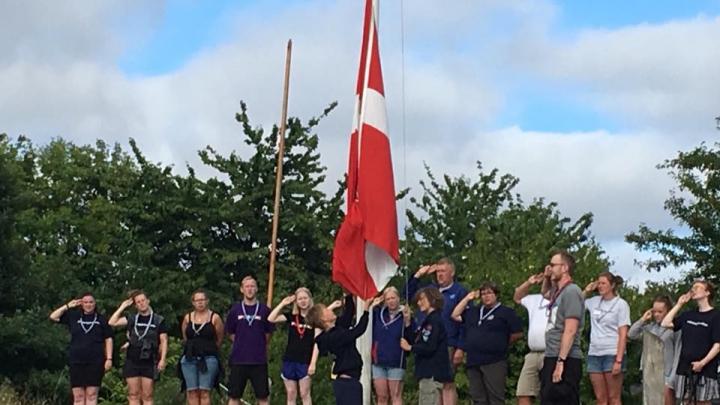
[382, 391]
[91, 395]
[305, 390]
[614, 388]
[396, 390]
[599, 388]
[134, 388]
[204, 397]
[193, 397]
[78, 396]
[669, 396]
[146, 391]
[291, 391]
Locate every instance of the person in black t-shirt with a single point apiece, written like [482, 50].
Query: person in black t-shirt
[147, 349]
[698, 363]
[332, 338]
[301, 354]
[202, 333]
[90, 350]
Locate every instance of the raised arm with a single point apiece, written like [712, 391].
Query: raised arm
[56, 314]
[667, 322]
[276, 316]
[636, 329]
[117, 320]
[592, 286]
[524, 289]
[457, 312]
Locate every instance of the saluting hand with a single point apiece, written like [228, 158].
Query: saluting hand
[127, 303]
[685, 298]
[591, 286]
[288, 300]
[536, 278]
[647, 316]
[73, 303]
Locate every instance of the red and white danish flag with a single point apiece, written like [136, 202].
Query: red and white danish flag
[366, 255]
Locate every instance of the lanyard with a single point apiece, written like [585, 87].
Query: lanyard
[197, 331]
[147, 325]
[248, 319]
[485, 316]
[602, 312]
[91, 323]
[392, 318]
[300, 328]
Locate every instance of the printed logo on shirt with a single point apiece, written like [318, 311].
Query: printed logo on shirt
[426, 333]
[452, 296]
[145, 325]
[693, 323]
[302, 325]
[256, 317]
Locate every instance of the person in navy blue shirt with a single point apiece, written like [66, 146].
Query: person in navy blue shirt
[490, 329]
[430, 345]
[388, 358]
[452, 293]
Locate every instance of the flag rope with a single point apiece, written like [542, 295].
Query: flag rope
[404, 164]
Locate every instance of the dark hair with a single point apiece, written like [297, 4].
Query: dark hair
[615, 281]
[448, 261]
[710, 287]
[665, 299]
[489, 285]
[314, 316]
[433, 295]
[134, 293]
[86, 294]
[566, 258]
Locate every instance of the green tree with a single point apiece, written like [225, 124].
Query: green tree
[695, 205]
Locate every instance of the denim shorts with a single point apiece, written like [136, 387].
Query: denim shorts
[602, 364]
[387, 373]
[194, 378]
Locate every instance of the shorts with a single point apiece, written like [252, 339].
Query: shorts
[241, 373]
[86, 375]
[602, 364]
[528, 384]
[428, 391]
[705, 389]
[139, 368]
[387, 373]
[196, 379]
[294, 371]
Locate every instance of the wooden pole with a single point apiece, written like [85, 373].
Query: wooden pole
[279, 175]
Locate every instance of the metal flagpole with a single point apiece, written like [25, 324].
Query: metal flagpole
[279, 174]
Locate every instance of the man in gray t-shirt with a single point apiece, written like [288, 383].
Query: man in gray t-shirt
[562, 366]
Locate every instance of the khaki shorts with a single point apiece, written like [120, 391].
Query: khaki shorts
[429, 391]
[528, 384]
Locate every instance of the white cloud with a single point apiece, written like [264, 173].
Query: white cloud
[658, 79]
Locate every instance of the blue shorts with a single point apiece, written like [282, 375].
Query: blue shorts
[194, 378]
[387, 373]
[602, 364]
[294, 371]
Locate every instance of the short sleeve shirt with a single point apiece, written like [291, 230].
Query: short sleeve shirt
[87, 336]
[487, 333]
[568, 304]
[537, 307]
[606, 317]
[700, 330]
[250, 325]
[301, 339]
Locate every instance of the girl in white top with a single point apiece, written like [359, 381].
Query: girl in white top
[609, 323]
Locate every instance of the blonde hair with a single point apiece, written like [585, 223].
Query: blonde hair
[391, 289]
[296, 309]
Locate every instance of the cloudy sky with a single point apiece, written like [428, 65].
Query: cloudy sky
[580, 100]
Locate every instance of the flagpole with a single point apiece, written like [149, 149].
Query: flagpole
[279, 174]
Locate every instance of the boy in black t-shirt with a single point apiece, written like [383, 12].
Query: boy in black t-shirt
[90, 349]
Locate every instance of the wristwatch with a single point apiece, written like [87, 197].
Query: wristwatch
[560, 360]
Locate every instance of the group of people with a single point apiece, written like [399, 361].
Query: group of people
[448, 328]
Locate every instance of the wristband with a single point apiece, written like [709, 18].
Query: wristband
[67, 307]
[618, 361]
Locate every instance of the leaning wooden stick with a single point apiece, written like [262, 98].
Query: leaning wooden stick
[279, 175]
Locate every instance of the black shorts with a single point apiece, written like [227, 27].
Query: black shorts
[86, 375]
[241, 373]
[139, 368]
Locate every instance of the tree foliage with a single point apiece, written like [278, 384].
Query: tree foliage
[695, 205]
